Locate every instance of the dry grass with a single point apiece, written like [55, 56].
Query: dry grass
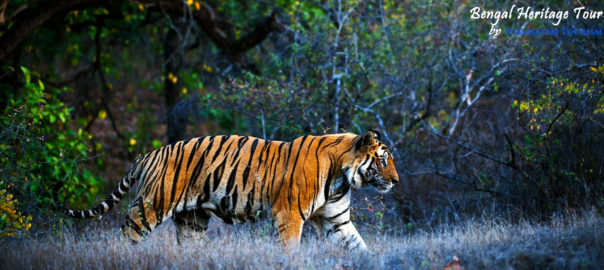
[569, 242]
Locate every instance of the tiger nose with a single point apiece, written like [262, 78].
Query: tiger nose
[394, 180]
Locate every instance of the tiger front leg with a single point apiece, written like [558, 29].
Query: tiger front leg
[334, 220]
[347, 235]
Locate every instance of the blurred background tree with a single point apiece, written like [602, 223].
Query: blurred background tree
[511, 126]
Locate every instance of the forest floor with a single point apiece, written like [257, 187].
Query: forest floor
[574, 241]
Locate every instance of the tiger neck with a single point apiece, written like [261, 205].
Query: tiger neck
[335, 183]
[329, 159]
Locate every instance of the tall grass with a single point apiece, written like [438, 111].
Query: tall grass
[572, 241]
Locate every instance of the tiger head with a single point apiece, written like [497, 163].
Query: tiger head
[372, 164]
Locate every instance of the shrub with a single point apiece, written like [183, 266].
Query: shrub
[559, 157]
[40, 150]
[12, 222]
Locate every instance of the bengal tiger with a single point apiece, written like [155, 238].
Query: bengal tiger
[241, 178]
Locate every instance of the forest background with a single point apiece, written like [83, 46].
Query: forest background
[509, 128]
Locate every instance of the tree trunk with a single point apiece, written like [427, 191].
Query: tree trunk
[176, 121]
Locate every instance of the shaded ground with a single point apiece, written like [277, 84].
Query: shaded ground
[570, 242]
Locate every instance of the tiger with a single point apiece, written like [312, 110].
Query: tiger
[243, 178]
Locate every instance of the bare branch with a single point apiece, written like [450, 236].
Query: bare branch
[466, 146]
[551, 124]
[104, 85]
[2, 10]
[512, 152]
[377, 101]
[452, 62]
[481, 84]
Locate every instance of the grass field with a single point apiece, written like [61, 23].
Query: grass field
[574, 241]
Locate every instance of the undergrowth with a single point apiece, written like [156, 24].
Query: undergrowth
[571, 241]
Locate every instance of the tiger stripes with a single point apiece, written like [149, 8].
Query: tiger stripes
[242, 178]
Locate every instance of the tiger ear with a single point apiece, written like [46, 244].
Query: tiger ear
[368, 138]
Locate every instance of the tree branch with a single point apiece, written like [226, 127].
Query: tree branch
[512, 152]
[464, 145]
[214, 28]
[33, 17]
[104, 84]
[549, 127]
[2, 10]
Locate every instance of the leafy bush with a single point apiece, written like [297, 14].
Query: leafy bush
[12, 222]
[41, 151]
[559, 158]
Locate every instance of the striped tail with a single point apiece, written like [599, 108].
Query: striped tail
[112, 200]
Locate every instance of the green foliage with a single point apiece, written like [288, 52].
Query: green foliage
[41, 150]
[559, 154]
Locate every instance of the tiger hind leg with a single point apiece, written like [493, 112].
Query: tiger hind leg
[140, 221]
[190, 224]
